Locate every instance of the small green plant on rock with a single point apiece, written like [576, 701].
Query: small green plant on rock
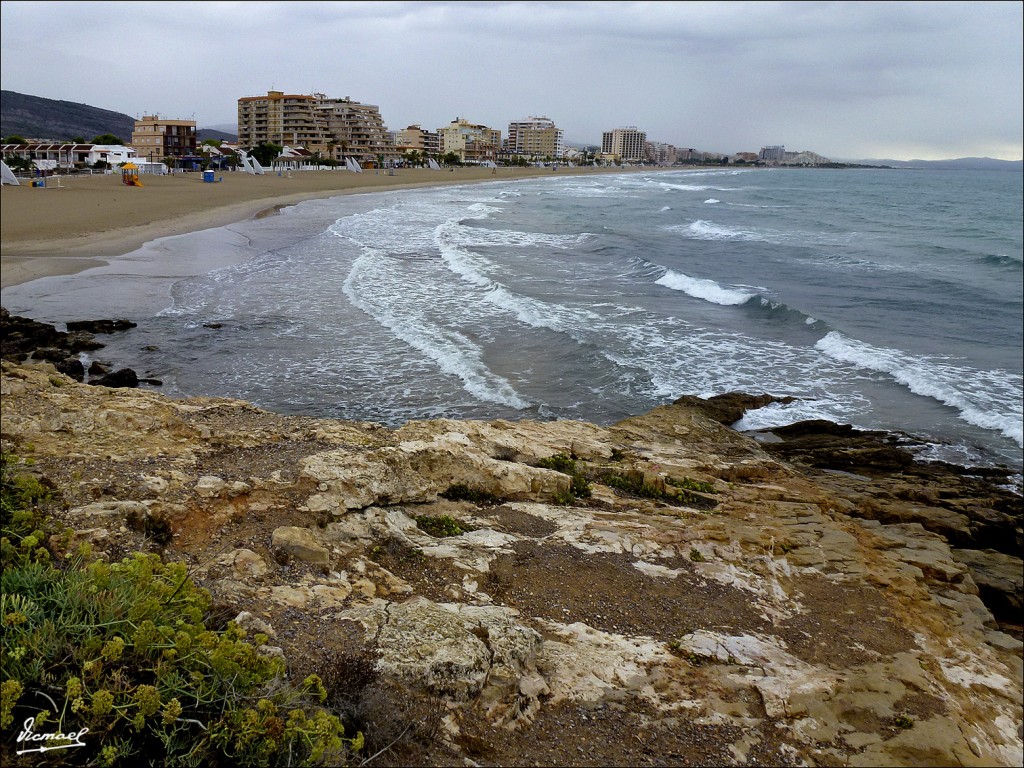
[463, 492]
[903, 721]
[579, 488]
[441, 526]
[689, 484]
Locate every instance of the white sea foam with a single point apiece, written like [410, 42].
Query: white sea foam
[712, 201]
[666, 208]
[705, 230]
[455, 354]
[987, 399]
[781, 414]
[695, 187]
[700, 288]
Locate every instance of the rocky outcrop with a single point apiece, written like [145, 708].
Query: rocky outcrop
[22, 338]
[706, 599]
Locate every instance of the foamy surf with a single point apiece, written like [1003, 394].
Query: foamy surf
[705, 230]
[708, 290]
[451, 351]
[986, 399]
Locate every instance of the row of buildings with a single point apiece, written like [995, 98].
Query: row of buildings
[335, 129]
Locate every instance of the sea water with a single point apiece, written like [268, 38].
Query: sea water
[886, 299]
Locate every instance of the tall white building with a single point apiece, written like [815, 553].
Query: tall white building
[628, 144]
[775, 153]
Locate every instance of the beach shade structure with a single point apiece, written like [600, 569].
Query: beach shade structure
[130, 175]
[433, 165]
[250, 164]
[7, 175]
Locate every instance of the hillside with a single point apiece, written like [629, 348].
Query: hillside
[34, 117]
[958, 164]
[38, 118]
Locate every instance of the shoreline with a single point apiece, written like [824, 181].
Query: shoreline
[90, 219]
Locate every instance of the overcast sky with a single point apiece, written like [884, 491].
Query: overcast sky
[849, 80]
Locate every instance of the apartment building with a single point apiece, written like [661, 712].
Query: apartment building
[154, 138]
[355, 130]
[627, 144]
[335, 128]
[470, 142]
[660, 153]
[285, 119]
[535, 137]
[417, 139]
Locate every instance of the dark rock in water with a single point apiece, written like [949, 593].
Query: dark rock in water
[151, 382]
[82, 341]
[98, 369]
[729, 408]
[125, 377]
[50, 354]
[825, 444]
[213, 325]
[21, 336]
[72, 367]
[101, 326]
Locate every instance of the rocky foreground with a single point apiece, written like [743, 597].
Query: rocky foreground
[664, 591]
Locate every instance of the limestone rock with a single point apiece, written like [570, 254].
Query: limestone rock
[301, 544]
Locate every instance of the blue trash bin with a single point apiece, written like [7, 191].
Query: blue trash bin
[208, 177]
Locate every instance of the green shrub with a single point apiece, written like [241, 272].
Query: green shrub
[123, 649]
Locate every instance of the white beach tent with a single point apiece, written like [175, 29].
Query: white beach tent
[433, 165]
[353, 166]
[7, 175]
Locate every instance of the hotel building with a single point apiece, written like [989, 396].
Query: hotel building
[628, 144]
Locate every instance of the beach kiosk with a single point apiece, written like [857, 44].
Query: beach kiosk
[130, 175]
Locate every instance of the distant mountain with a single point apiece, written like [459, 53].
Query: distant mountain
[230, 129]
[202, 134]
[959, 164]
[33, 117]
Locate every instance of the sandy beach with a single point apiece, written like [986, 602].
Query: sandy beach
[64, 229]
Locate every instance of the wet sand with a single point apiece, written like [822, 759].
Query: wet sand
[77, 222]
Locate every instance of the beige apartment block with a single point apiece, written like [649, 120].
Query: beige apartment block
[535, 137]
[285, 119]
[154, 138]
[356, 130]
[472, 143]
[628, 144]
[335, 128]
[417, 139]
